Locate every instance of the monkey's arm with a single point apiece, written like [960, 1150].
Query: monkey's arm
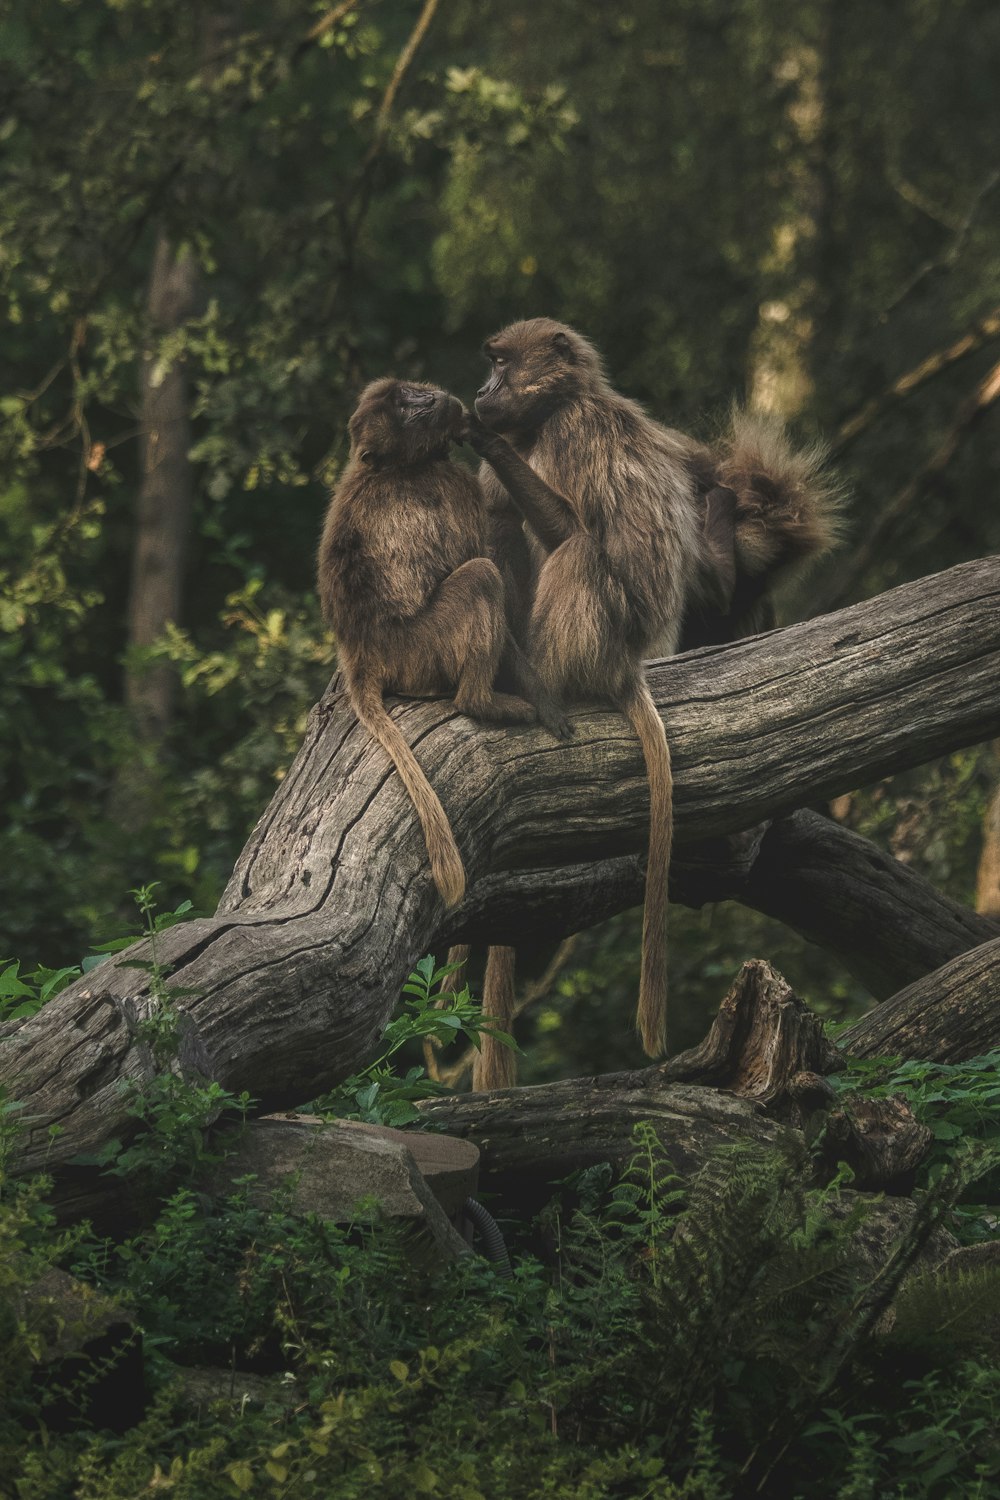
[550, 516]
[530, 686]
[507, 545]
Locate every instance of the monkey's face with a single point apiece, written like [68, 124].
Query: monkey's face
[404, 422]
[535, 367]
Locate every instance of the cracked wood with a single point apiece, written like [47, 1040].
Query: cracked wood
[288, 986]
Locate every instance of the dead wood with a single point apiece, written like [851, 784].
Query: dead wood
[286, 988]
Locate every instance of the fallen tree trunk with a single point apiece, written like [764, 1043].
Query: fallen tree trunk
[886, 923]
[285, 990]
[948, 1017]
[766, 1050]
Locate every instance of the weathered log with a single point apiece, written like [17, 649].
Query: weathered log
[950, 1016]
[886, 923]
[879, 1139]
[530, 1138]
[286, 988]
[766, 1053]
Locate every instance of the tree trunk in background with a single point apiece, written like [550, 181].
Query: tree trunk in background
[163, 519]
[988, 876]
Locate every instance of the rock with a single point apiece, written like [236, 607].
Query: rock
[203, 1385]
[969, 1258]
[449, 1165]
[337, 1171]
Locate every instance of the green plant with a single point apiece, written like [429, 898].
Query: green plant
[959, 1103]
[24, 995]
[381, 1096]
[173, 1107]
[710, 1342]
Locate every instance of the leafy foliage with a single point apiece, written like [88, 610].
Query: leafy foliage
[174, 1105]
[687, 1345]
[378, 1094]
[958, 1101]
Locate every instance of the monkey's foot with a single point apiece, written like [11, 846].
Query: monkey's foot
[498, 708]
[554, 719]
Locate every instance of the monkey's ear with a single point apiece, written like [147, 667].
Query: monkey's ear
[564, 344]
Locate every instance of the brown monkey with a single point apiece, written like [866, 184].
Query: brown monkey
[767, 508]
[636, 530]
[416, 606]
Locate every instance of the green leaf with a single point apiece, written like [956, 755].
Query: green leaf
[424, 1479]
[943, 1130]
[241, 1474]
[12, 986]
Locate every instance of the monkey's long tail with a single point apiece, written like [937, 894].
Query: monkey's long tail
[496, 1065]
[652, 1013]
[445, 860]
[452, 983]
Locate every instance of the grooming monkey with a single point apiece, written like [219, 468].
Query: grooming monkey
[416, 605]
[635, 539]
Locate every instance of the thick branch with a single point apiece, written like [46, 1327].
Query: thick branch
[982, 331]
[766, 1052]
[287, 987]
[887, 924]
[530, 1138]
[951, 1015]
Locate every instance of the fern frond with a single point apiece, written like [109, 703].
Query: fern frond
[960, 1309]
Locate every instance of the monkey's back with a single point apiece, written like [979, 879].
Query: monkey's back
[631, 481]
[390, 537]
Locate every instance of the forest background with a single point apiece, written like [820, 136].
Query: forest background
[218, 221]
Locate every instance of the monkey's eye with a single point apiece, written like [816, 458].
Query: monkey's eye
[499, 361]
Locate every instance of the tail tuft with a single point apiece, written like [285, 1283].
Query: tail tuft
[788, 508]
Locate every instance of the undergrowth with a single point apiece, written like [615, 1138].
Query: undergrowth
[959, 1103]
[729, 1335]
[724, 1337]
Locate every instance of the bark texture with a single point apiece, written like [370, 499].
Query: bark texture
[949, 1016]
[766, 1050]
[887, 924]
[286, 989]
[163, 509]
[530, 1138]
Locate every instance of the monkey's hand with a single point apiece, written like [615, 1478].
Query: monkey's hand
[552, 717]
[478, 435]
